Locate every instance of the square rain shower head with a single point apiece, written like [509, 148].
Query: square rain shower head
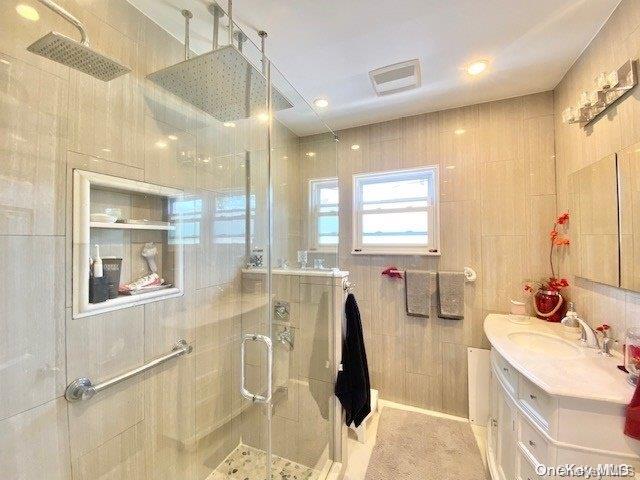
[222, 83]
[69, 52]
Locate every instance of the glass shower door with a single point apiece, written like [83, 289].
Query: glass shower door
[283, 405]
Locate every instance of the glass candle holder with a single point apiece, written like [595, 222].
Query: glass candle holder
[632, 354]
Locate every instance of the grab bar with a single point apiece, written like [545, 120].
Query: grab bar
[83, 388]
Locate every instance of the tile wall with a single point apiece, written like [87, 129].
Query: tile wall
[182, 419]
[497, 181]
[618, 131]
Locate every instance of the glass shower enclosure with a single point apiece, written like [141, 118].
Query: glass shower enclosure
[271, 411]
[205, 157]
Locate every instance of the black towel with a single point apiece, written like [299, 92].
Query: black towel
[353, 388]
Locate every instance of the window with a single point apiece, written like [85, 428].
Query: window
[229, 220]
[186, 213]
[396, 212]
[323, 214]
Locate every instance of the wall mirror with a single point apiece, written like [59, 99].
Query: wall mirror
[593, 202]
[629, 198]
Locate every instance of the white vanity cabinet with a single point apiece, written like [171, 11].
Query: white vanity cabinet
[529, 427]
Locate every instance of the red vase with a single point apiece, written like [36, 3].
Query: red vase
[549, 305]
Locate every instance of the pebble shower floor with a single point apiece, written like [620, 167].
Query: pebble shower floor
[247, 463]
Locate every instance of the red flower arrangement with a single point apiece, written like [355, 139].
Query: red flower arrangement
[557, 239]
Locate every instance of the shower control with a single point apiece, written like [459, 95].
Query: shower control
[281, 310]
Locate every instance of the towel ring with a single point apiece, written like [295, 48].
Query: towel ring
[470, 274]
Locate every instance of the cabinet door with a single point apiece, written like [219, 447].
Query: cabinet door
[507, 439]
[493, 413]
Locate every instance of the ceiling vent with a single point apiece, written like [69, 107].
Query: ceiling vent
[396, 78]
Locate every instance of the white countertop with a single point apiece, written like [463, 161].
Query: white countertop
[334, 273]
[589, 375]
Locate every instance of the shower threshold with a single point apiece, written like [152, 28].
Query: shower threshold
[248, 463]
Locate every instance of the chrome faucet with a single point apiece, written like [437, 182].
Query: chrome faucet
[588, 335]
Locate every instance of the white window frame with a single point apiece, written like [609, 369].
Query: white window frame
[314, 213]
[433, 248]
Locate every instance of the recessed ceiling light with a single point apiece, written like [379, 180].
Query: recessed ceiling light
[459, 131]
[321, 102]
[106, 150]
[476, 68]
[172, 137]
[229, 124]
[355, 146]
[28, 12]
[451, 167]
[161, 144]
[310, 154]
[263, 117]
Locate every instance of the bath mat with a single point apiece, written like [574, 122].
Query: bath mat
[415, 446]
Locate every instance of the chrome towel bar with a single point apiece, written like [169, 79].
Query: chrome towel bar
[83, 388]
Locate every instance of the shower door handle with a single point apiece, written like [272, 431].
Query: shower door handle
[243, 389]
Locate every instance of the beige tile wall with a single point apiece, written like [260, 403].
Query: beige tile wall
[497, 179]
[619, 129]
[177, 421]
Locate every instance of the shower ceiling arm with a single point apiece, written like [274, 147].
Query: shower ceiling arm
[263, 48]
[217, 12]
[230, 13]
[84, 38]
[187, 18]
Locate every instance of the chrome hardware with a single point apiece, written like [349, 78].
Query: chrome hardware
[494, 422]
[505, 369]
[348, 286]
[587, 336]
[606, 347]
[83, 388]
[243, 390]
[286, 336]
[532, 396]
[281, 310]
[532, 443]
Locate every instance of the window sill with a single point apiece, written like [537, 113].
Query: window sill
[323, 250]
[420, 253]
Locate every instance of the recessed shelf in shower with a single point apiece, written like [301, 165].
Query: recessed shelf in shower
[153, 209]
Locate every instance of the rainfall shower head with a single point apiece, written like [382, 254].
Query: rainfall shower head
[221, 82]
[74, 54]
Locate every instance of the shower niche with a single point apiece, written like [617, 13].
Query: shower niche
[138, 231]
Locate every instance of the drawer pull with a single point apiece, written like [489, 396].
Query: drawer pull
[532, 443]
[532, 396]
[505, 369]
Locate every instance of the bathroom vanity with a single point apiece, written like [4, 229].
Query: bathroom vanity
[552, 401]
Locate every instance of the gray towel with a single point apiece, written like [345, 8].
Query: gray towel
[420, 287]
[451, 295]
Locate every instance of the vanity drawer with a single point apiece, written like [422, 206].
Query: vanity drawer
[533, 442]
[536, 402]
[506, 372]
[527, 471]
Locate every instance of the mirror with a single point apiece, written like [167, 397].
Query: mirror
[629, 188]
[593, 202]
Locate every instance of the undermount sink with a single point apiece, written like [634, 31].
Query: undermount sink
[547, 345]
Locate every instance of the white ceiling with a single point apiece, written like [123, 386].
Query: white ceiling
[327, 47]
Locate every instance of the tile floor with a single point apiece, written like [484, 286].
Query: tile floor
[359, 454]
[248, 463]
